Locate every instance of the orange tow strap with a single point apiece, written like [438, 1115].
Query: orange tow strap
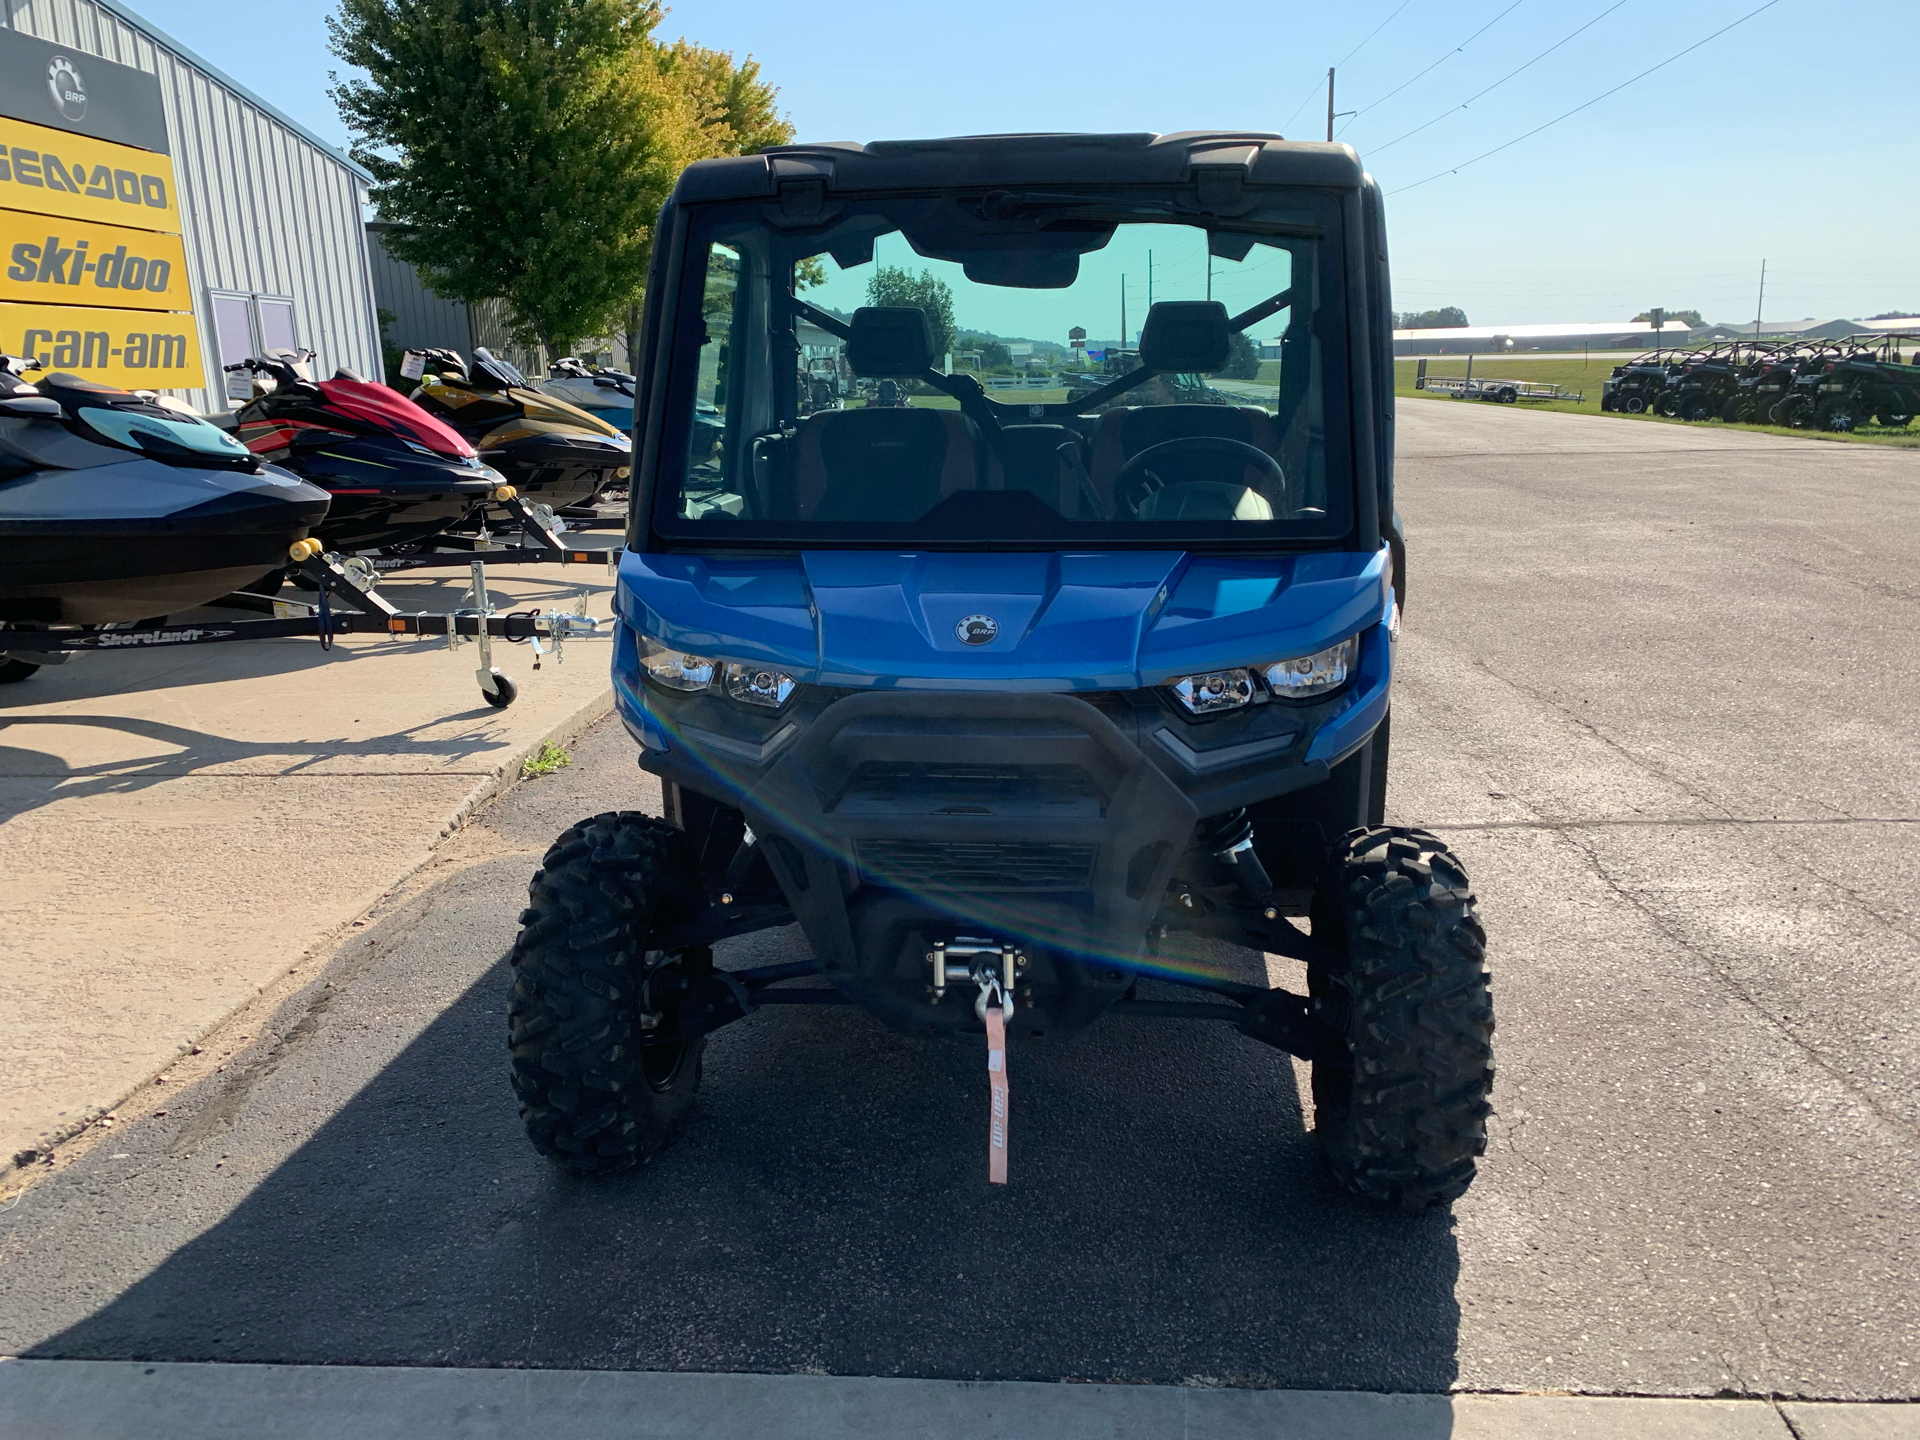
[997, 1077]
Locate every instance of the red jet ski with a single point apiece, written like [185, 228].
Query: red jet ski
[396, 474]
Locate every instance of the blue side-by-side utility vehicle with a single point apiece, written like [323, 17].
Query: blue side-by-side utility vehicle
[1021, 702]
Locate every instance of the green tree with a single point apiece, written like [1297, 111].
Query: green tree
[1447, 317]
[732, 105]
[893, 285]
[521, 148]
[1243, 361]
[734, 111]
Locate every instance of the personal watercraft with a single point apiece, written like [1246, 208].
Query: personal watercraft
[551, 452]
[118, 505]
[607, 395]
[396, 474]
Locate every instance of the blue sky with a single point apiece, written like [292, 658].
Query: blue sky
[1795, 137]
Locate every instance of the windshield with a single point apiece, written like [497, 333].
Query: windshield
[163, 434]
[1008, 368]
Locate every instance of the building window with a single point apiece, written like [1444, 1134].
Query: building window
[245, 326]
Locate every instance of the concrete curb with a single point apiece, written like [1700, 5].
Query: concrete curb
[508, 774]
[129, 1400]
[481, 794]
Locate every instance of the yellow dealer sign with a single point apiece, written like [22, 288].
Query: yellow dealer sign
[52, 172]
[93, 274]
[116, 347]
[69, 263]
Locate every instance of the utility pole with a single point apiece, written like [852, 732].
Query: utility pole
[1332, 114]
[1761, 304]
[1149, 281]
[1123, 310]
[1209, 270]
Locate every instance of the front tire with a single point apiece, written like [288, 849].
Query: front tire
[1401, 1109]
[595, 1100]
[12, 671]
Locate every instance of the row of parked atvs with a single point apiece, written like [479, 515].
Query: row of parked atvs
[121, 508]
[1829, 385]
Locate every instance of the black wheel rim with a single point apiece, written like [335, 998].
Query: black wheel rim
[661, 1064]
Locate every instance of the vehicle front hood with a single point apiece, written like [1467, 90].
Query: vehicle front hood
[1072, 620]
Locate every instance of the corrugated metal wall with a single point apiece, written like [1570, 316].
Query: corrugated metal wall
[421, 319]
[264, 210]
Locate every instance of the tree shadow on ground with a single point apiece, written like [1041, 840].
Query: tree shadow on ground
[827, 1211]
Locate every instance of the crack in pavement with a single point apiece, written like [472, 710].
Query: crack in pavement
[1567, 831]
[1799, 863]
[1734, 987]
[1634, 759]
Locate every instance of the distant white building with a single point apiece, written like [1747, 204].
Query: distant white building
[1482, 339]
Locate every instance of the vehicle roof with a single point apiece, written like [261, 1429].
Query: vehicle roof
[965, 161]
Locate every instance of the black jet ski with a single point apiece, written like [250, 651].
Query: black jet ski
[551, 452]
[119, 506]
[396, 474]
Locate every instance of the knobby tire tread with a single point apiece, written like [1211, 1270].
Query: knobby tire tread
[1402, 1117]
[574, 1014]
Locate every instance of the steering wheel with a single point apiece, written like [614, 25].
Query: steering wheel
[1137, 480]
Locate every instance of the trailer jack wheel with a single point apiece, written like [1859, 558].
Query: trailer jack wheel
[497, 689]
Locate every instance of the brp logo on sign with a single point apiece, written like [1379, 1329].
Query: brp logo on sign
[977, 629]
[69, 91]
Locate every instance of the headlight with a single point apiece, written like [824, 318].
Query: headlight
[675, 669]
[1214, 692]
[754, 686]
[1313, 675]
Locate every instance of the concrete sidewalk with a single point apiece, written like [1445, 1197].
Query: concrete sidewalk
[185, 828]
[128, 1400]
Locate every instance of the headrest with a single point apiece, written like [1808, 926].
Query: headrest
[1185, 336]
[891, 340]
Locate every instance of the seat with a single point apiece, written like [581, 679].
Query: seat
[1030, 458]
[1123, 433]
[882, 465]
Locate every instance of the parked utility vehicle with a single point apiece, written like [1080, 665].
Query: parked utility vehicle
[1008, 704]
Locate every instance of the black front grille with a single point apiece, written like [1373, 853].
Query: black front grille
[976, 865]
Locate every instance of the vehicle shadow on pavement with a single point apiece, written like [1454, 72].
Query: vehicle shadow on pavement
[826, 1212]
[35, 777]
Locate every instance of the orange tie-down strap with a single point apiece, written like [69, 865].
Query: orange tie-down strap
[997, 1077]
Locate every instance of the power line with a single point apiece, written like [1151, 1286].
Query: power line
[1589, 104]
[1376, 30]
[1375, 150]
[1343, 60]
[1436, 64]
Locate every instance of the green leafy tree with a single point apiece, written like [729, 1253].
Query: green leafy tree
[521, 148]
[1243, 361]
[734, 111]
[893, 285]
[1447, 317]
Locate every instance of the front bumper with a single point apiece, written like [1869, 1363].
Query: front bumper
[1050, 819]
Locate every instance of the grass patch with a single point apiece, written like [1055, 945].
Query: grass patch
[544, 761]
[1586, 376]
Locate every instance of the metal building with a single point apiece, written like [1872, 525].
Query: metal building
[417, 319]
[270, 215]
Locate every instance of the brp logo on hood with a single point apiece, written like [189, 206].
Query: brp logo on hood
[977, 629]
[69, 91]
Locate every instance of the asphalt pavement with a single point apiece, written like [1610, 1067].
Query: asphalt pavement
[1658, 688]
